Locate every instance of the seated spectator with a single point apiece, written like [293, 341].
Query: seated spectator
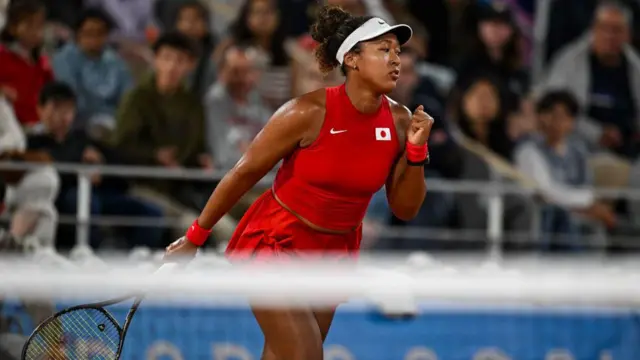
[109, 196]
[192, 20]
[24, 70]
[235, 110]
[306, 72]
[413, 89]
[496, 52]
[30, 195]
[259, 24]
[96, 73]
[132, 18]
[161, 122]
[478, 114]
[603, 71]
[558, 163]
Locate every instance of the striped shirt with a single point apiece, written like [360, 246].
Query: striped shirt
[275, 85]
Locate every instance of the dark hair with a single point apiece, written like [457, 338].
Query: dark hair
[243, 36]
[17, 12]
[498, 139]
[192, 4]
[177, 41]
[94, 14]
[558, 97]
[331, 29]
[56, 91]
[512, 59]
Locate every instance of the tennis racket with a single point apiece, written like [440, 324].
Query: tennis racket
[83, 332]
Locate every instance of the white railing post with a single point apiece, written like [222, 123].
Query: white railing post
[495, 221]
[84, 210]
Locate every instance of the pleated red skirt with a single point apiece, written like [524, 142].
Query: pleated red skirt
[268, 231]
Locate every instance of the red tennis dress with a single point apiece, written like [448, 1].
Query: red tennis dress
[329, 183]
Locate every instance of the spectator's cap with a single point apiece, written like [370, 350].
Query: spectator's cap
[496, 11]
[178, 41]
[94, 13]
[370, 30]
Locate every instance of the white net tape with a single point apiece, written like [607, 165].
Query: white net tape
[461, 309]
[212, 278]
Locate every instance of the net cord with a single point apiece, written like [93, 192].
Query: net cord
[328, 286]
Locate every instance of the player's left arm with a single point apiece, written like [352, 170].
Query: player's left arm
[406, 186]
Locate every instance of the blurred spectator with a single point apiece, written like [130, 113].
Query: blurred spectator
[54, 135]
[62, 16]
[132, 18]
[29, 194]
[161, 122]
[259, 24]
[603, 71]
[558, 23]
[419, 42]
[496, 51]
[96, 73]
[559, 165]
[413, 90]
[193, 21]
[24, 70]
[479, 114]
[235, 110]
[299, 15]
[306, 72]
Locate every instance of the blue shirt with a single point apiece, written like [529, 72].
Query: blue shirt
[99, 82]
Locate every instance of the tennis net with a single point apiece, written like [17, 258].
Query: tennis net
[410, 310]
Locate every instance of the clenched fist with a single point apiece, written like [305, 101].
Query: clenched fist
[420, 127]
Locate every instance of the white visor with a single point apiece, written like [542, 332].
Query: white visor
[370, 30]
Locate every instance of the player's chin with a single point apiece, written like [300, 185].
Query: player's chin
[387, 86]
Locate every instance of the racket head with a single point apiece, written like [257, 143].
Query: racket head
[80, 332]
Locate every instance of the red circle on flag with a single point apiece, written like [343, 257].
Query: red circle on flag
[383, 134]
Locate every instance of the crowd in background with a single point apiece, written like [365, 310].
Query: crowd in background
[549, 92]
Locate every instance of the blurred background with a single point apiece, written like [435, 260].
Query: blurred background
[117, 119]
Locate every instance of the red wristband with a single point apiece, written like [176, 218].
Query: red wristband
[197, 234]
[417, 153]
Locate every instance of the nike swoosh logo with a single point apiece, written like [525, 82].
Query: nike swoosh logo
[333, 132]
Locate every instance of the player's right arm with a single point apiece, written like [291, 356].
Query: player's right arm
[295, 124]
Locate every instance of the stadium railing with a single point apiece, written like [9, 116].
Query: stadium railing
[494, 191]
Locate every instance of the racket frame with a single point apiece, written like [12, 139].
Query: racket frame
[99, 306]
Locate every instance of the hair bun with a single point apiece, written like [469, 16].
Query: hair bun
[329, 20]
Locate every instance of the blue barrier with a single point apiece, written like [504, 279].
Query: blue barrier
[361, 333]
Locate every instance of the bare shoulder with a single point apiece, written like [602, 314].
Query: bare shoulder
[308, 105]
[401, 114]
[303, 115]
[401, 118]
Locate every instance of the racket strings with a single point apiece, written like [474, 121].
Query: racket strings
[77, 334]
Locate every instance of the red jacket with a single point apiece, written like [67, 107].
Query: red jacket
[27, 79]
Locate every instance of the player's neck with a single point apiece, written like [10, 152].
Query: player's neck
[363, 100]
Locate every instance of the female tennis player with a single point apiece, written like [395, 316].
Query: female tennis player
[339, 146]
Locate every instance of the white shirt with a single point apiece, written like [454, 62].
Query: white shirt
[530, 161]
